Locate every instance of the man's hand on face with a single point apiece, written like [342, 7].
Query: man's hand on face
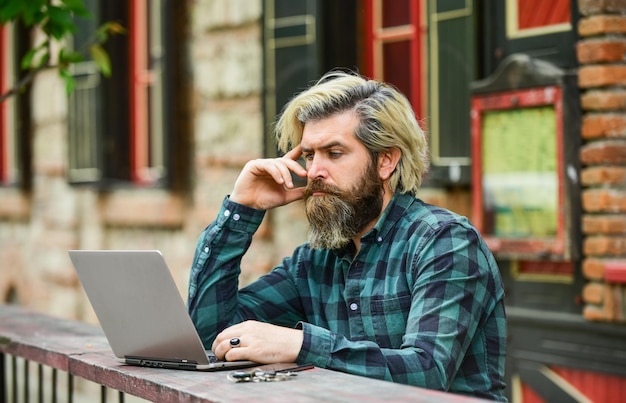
[266, 183]
[260, 342]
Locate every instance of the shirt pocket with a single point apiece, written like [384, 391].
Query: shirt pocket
[389, 317]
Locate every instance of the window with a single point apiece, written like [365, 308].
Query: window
[518, 166]
[291, 61]
[302, 40]
[451, 62]
[541, 29]
[435, 74]
[392, 51]
[121, 127]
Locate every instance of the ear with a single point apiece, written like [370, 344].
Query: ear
[387, 162]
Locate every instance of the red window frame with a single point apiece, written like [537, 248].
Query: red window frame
[4, 87]
[376, 36]
[140, 79]
[527, 247]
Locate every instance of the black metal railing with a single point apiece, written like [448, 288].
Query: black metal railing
[24, 381]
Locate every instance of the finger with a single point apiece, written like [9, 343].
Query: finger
[295, 168]
[281, 168]
[294, 153]
[294, 194]
[236, 354]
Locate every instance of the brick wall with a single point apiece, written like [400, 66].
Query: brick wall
[602, 75]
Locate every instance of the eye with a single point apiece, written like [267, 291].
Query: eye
[308, 157]
[334, 154]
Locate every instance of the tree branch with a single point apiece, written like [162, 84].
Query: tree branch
[20, 85]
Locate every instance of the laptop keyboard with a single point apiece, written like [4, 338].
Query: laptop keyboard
[211, 356]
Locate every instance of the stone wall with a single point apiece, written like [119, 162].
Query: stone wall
[37, 228]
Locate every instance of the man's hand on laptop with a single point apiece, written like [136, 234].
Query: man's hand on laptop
[260, 342]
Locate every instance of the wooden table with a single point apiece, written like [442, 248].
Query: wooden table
[81, 349]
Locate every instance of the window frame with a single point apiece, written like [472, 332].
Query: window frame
[134, 145]
[5, 123]
[528, 247]
[15, 112]
[376, 36]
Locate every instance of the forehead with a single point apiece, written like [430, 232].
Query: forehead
[337, 128]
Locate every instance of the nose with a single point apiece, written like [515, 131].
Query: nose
[315, 168]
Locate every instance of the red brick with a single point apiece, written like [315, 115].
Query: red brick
[602, 24]
[604, 152]
[603, 125]
[595, 313]
[603, 175]
[604, 224]
[601, 76]
[604, 200]
[603, 100]
[593, 268]
[593, 293]
[605, 246]
[600, 50]
[589, 7]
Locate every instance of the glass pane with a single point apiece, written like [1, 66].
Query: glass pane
[455, 72]
[520, 178]
[156, 123]
[541, 13]
[84, 122]
[397, 66]
[396, 12]
[451, 5]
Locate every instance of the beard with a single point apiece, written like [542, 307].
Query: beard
[337, 216]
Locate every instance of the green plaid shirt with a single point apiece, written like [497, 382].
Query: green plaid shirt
[420, 304]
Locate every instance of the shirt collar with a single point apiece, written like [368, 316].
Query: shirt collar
[398, 204]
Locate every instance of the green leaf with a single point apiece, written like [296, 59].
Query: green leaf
[60, 22]
[10, 9]
[101, 57]
[33, 12]
[68, 57]
[70, 82]
[28, 59]
[43, 59]
[109, 28]
[76, 7]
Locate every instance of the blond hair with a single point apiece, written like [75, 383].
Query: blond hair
[386, 119]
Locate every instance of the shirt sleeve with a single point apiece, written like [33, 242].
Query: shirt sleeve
[453, 291]
[214, 277]
[215, 300]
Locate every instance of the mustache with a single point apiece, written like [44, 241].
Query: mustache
[319, 186]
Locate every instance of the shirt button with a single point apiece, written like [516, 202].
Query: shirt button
[379, 239]
[354, 306]
[226, 213]
[206, 249]
[236, 217]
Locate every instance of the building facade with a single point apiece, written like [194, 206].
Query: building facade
[523, 102]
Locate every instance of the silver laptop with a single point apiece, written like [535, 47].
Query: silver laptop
[143, 315]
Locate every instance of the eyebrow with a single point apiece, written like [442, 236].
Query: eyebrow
[323, 147]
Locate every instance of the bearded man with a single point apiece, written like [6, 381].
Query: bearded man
[387, 286]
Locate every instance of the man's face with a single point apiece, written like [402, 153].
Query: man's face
[344, 191]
